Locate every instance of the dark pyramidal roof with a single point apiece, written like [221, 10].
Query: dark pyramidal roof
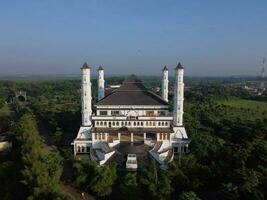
[179, 66]
[132, 92]
[85, 66]
[165, 68]
[100, 68]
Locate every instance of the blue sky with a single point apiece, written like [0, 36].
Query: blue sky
[211, 38]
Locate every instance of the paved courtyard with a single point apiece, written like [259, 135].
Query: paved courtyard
[125, 148]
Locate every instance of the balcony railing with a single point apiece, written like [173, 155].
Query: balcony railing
[123, 117]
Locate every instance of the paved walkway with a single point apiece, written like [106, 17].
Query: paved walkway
[125, 148]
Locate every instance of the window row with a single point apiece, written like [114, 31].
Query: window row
[150, 113]
[100, 136]
[82, 149]
[129, 123]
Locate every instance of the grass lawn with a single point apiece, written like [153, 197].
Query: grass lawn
[242, 103]
[246, 108]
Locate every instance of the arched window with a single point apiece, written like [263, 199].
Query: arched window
[134, 123]
[166, 123]
[142, 124]
[113, 123]
[118, 123]
[79, 149]
[101, 123]
[83, 149]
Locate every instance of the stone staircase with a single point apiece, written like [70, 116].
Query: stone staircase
[101, 154]
[162, 152]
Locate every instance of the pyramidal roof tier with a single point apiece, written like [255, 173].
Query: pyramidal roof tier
[100, 68]
[132, 92]
[179, 66]
[85, 66]
[165, 68]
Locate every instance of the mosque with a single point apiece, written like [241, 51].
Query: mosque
[131, 113]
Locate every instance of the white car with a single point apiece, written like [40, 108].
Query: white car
[131, 163]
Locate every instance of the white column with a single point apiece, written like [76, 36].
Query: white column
[74, 149]
[144, 136]
[132, 137]
[86, 96]
[101, 83]
[164, 85]
[157, 136]
[93, 137]
[119, 136]
[178, 96]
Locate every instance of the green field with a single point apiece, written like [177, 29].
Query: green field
[242, 103]
[245, 108]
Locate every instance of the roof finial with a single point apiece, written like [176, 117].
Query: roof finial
[85, 66]
[100, 68]
[165, 68]
[179, 66]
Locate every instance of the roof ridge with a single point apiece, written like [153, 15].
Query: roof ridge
[132, 92]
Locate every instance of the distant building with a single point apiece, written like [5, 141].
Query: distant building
[129, 114]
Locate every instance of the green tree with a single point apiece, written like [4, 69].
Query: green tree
[103, 180]
[188, 196]
[156, 182]
[94, 178]
[129, 186]
[40, 171]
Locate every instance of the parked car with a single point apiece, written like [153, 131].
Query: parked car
[131, 163]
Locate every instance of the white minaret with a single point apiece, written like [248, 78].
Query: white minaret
[101, 83]
[86, 96]
[164, 85]
[178, 100]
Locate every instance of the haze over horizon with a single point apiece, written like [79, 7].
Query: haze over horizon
[56, 37]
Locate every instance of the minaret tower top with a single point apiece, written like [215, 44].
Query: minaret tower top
[86, 96]
[178, 100]
[85, 66]
[100, 68]
[165, 68]
[179, 66]
[165, 83]
[101, 83]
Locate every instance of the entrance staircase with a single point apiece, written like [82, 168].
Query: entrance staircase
[102, 153]
[162, 152]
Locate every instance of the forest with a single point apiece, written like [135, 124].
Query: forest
[227, 158]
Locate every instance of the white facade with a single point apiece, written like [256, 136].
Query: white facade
[178, 100]
[165, 83]
[86, 96]
[111, 123]
[101, 83]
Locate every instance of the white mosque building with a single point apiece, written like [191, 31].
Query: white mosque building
[131, 113]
